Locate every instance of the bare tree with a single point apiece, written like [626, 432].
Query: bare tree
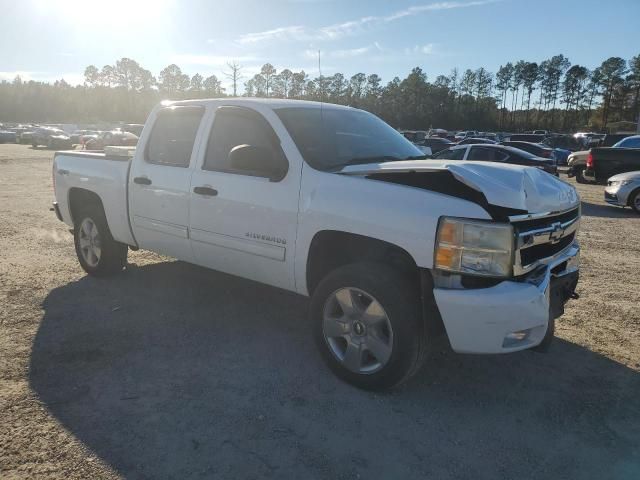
[234, 74]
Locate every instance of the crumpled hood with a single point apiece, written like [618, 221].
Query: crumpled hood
[510, 186]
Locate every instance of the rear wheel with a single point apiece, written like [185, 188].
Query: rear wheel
[368, 325]
[98, 253]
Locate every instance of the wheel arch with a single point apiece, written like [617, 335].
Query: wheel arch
[330, 249]
[632, 194]
[80, 198]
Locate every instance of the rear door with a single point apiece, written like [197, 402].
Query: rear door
[242, 222]
[160, 180]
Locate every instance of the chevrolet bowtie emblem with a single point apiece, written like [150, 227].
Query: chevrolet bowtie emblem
[557, 233]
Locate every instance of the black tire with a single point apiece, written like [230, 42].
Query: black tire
[400, 300]
[34, 144]
[580, 174]
[633, 200]
[113, 254]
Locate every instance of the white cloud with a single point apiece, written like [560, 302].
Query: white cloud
[427, 49]
[282, 33]
[352, 27]
[344, 53]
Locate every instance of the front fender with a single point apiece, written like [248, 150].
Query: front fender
[406, 217]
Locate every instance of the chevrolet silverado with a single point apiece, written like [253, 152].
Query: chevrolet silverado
[332, 203]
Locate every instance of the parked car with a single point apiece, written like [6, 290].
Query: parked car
[497, 153]
[577, 161]
[623, 190]
[76, 137]
[135, 128]
[335, 207]
[537, 149]
[541, 132]
[432, 145]
[438, 132]
[26, 137]
[414, 136]
[610, 139]
[7, 136]
[462, 135]
[565, 142]
[469, 141]
[111, 138]
[605, 162]
[527, 137]
[51, 137]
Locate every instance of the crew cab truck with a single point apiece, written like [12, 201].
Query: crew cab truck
[605, 162]
[332, 203]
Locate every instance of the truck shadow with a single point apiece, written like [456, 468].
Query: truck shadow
[606, 211]
[173, 371]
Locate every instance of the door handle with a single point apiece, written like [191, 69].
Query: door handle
[142, 181]
[206, 191]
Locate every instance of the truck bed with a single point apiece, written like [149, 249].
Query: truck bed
[103, 173]
[609, 161]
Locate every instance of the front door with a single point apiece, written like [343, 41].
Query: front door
[242, 222]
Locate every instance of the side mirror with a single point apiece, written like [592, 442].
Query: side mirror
[258, 161]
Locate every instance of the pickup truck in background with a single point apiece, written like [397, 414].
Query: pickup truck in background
[332, 203]
[577, 161]
[605, 162]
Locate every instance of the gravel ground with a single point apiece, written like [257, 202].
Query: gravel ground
[172, 371]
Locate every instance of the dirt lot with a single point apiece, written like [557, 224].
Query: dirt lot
[172, 371]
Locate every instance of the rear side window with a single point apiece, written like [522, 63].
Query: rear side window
[173, 135]
[487, 154]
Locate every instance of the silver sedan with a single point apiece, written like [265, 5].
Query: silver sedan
[623, 190]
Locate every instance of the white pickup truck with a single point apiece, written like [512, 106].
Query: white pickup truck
[332, 203]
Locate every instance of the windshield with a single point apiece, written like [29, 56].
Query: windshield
[331, 139]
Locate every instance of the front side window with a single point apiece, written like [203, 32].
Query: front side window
[173, 135]
[238, 126]
[456, 154]
[330, 139]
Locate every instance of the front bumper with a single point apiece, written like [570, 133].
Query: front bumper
[513, 315]
[618, 195]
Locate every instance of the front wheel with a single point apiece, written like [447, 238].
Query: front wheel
[634, 200]
[368, 325]
[98, 253]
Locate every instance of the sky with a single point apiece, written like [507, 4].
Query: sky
[52, 39]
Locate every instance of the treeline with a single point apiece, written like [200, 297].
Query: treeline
[552, 94]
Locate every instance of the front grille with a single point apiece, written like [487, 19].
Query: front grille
[541, 222]
[545, 250]
[540, 238]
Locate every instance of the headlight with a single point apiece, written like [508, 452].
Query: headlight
[616, 183]
[474, 247]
